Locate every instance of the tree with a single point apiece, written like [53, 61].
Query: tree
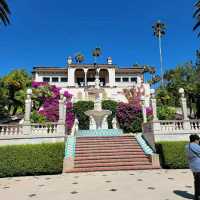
[185, 76]
[3, 101]
[79, 58]
[4, 12]
[16, 83]
[197, 16]
[96, 53]
[159, 31]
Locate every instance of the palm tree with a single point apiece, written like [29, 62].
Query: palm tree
[197, 16]
[159, 31]
[4, 12]
[96, 53]
[79, 58]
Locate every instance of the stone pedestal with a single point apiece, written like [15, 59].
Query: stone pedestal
[27, 116]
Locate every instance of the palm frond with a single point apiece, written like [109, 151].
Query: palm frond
[4, 12]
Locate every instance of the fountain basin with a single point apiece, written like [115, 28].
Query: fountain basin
[98, 116]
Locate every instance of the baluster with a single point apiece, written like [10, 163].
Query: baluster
[198, 125]
[7, 130]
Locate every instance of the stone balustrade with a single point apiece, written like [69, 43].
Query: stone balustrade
[195, 125]
[10, 130]
[170, 130]
[32, 133]
[171, 126]
[44, 129]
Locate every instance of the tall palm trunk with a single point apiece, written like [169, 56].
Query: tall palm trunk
[161, 59]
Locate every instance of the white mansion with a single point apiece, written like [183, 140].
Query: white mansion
[77, 77]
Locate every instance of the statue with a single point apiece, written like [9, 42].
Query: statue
[92, 123]
[114, 123]
[105, 123]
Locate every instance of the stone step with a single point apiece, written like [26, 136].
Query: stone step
[106, 145]
[112, 160]
[106, 141]
[111, 164]
[115, 168]
[103, 157]
[108, 153]
[113, 147]
[116, 150]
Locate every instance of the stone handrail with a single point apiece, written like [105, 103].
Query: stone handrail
[36, 130]
[171, 125]
[195, 125]
[170, 130]
[10, 130]
[44, 129]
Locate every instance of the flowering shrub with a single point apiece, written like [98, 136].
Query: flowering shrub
[46, 102]
[130, 117]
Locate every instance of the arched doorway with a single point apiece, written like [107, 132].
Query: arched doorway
[104, 76]
[91, 75]
[79, 77]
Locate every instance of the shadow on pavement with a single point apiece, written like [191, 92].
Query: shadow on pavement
[184, 194]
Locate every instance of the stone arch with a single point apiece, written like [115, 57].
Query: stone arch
[79, 76]
[91, 75]
[104, 76]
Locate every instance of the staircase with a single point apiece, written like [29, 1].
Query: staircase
[109, 153]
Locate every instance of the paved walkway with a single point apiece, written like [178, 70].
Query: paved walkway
[126, 185]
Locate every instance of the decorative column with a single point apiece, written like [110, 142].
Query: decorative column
[156, 123]
[111, 72]
[154, 105]
[62, 114]
[85, 72]
[65, 109]
[71, 77]
[186, 123]
[144, 113]
[27, 116]
[97, 81]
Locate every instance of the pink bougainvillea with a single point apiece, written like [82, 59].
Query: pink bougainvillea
[49, 106]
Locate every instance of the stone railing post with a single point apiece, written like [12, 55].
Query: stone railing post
[62, 114]
[144, 113]
[186, 123]
[27, 117]
[156, 122]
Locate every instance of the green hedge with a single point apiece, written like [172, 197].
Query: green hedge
[112, 106]
[79, 108]
[36, 159]
[172, 154]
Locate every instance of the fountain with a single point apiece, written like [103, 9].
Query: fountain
[98, 115]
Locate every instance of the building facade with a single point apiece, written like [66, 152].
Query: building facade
[76, 75]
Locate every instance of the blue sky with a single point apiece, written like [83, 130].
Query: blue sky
[46, 32]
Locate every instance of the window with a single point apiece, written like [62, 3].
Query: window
[117, 79]
[134, 79]
[46, 79]
[63, 79]
[125, 79]
[54, 79]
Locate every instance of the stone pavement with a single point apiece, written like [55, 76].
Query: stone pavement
[124, 185]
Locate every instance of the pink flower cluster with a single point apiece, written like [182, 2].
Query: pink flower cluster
[50, 106]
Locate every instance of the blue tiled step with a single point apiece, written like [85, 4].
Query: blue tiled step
[99, 133]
